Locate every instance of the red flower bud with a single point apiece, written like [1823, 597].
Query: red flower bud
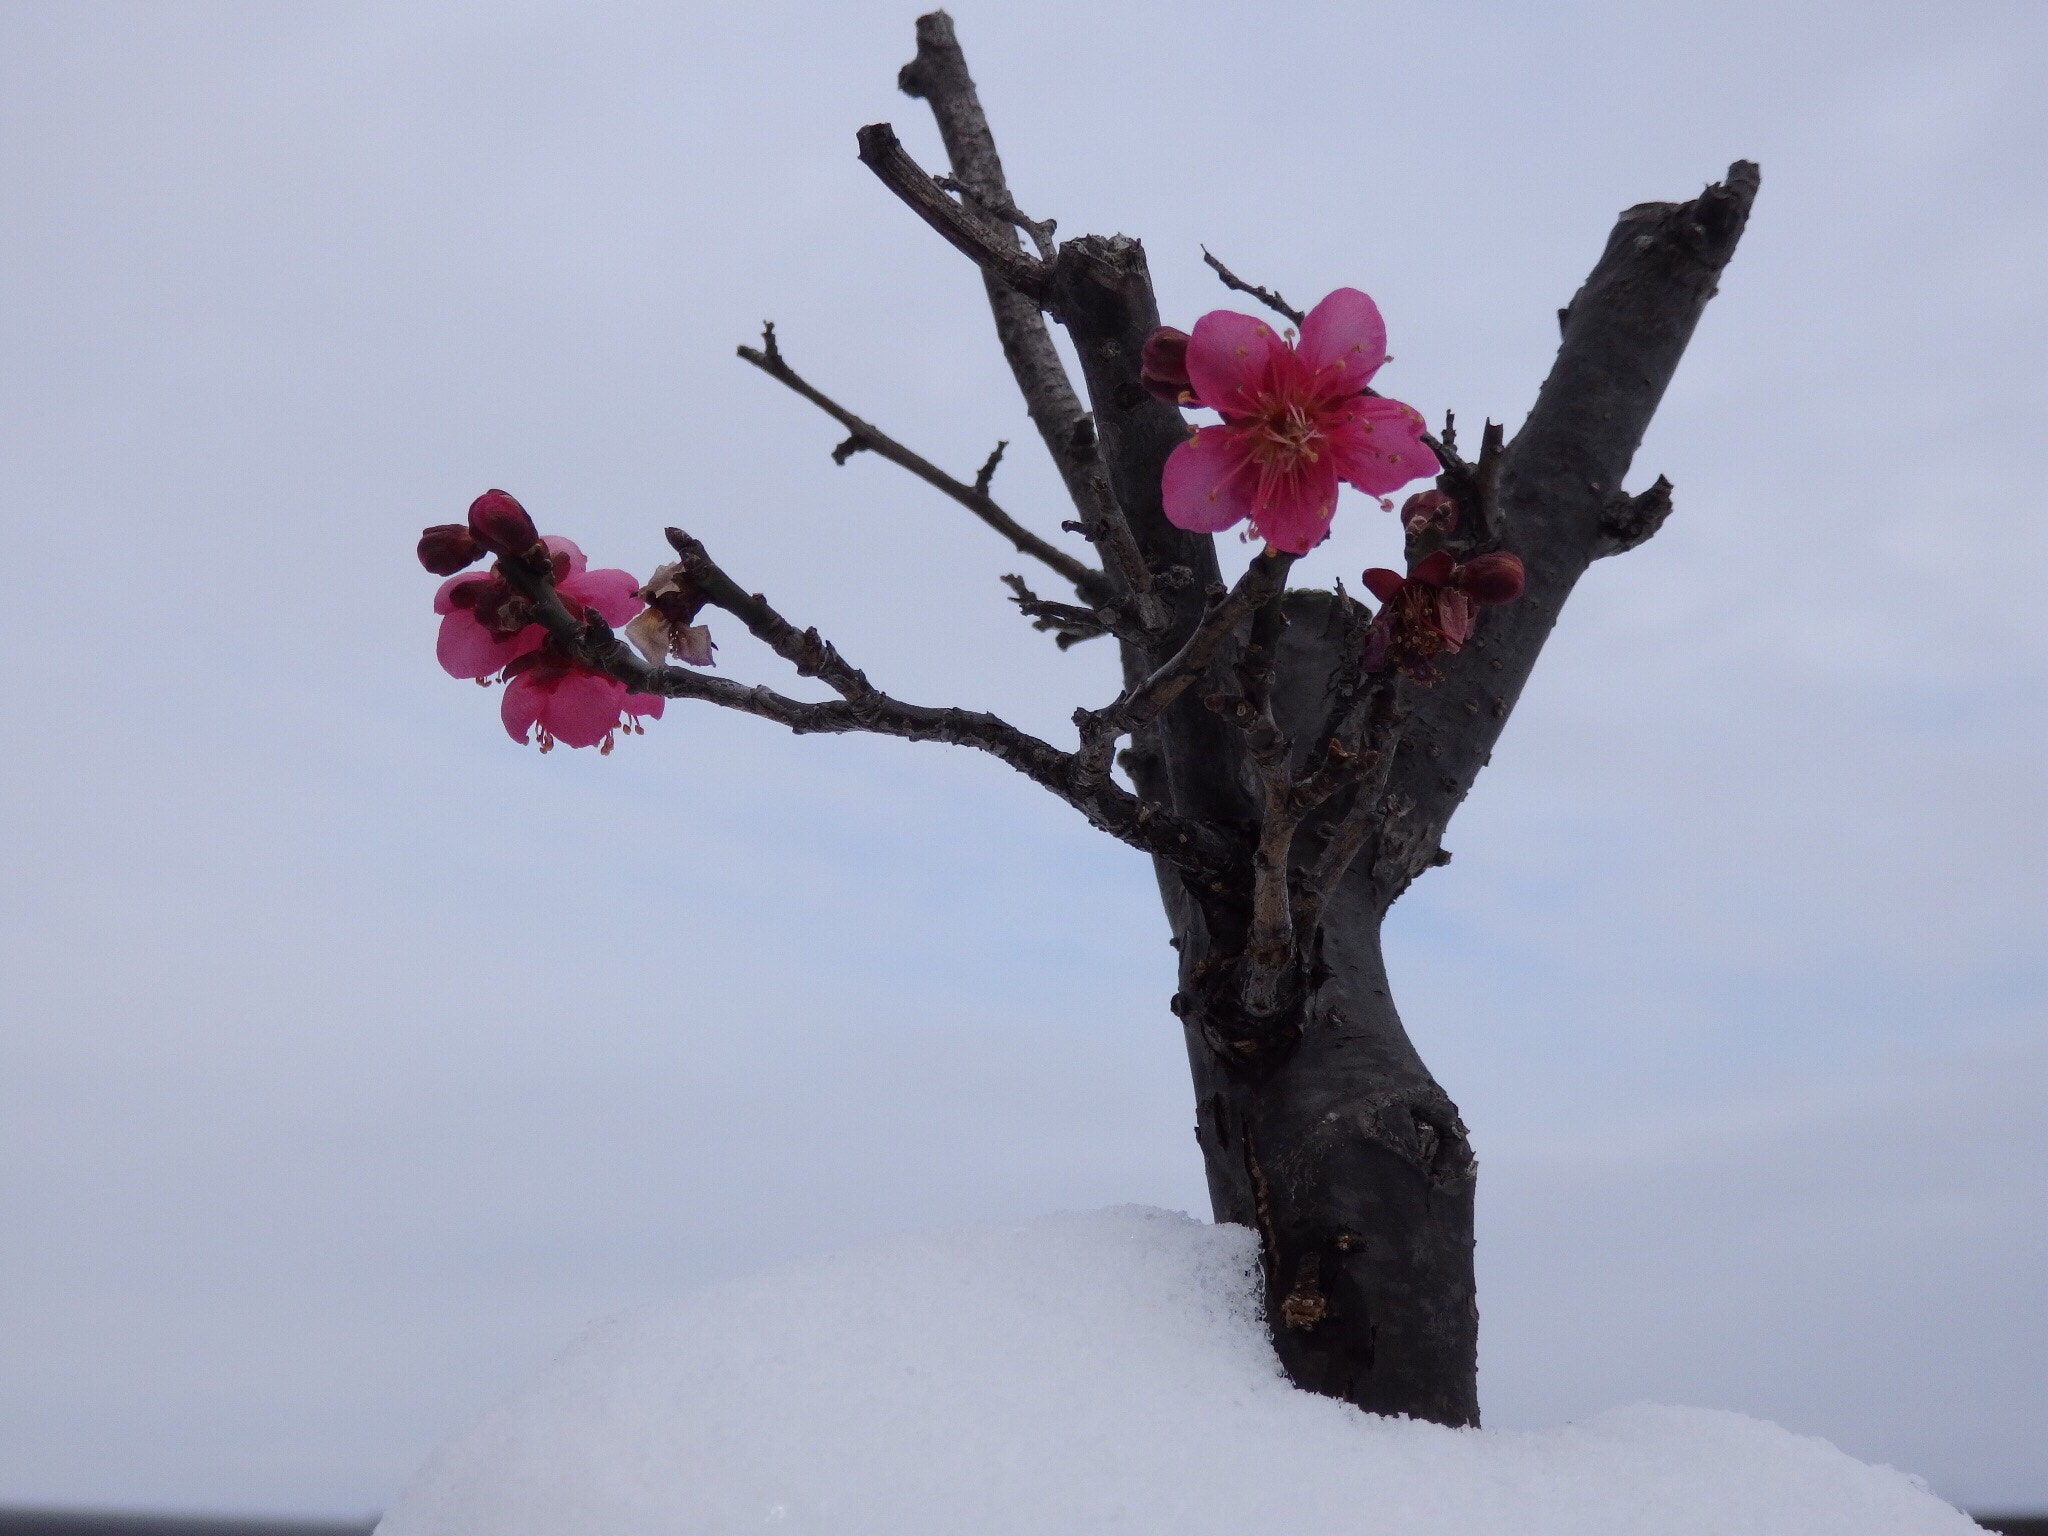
[1434, 570]
[1494, 578]
[501, 525]
[447, 548]
[1163, 366]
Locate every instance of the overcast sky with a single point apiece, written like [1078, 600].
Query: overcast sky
[354, 1058]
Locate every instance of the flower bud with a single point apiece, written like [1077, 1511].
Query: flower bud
[501, 525]
[1492, 578]
[1429, 509]
[447, 548]
[1163, 366]
[1436, 569]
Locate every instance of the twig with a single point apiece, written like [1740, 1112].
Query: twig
[883, 153]
[985, 476]
[1088, 581]
[1069, 625]
[861, 707]
[1143, 702]
[938, 76]
[1271, 952]
[1265, 296]
[1627, 521]
[1040, 230]
[1383, 722]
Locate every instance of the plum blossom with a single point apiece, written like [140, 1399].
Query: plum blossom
[1432, 610]
[1296, 421]
[489, 631]
[552, 698]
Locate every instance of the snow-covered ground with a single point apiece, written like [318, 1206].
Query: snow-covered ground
[1097, 1372]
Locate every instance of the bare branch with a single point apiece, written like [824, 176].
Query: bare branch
[1265, 296]
[860, 707]
[1271, 952]
[1143, 702]
[1089, 582]
[939, 77]
[1374, 763]
[1040, 230]
[986, 475]
[1630, 520]
[883, 153]
[1624, 333]
[1068, 625]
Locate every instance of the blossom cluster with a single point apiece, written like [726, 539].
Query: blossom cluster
[489, 632]
[1299, 419]
[1432, 610]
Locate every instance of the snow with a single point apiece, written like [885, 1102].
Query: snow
[1096, 1372]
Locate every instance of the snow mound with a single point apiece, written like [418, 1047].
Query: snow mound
[1083, 1373]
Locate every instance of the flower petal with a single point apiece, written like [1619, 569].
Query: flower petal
[648, 704]
[583, 708]
[1383, 583]
[1434, 569]
[1208, 482]
[1344, 339]
[1379, 446]
[614, 594]
[444, 595]
[466, 649]
[1294, 510]
[560, 546]
[1230, 359]
[524, 699]
[692, 644]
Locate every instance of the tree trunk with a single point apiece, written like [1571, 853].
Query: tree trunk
[1329, 1137]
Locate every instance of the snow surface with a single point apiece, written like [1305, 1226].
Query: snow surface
[1082, 1373]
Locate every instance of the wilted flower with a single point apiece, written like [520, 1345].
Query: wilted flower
[665, 628]
[1296, 422]
[1431, 611]
[1429, 509]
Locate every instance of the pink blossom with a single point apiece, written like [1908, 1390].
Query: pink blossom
[485, 624]
[556, 699]
[488, 629]
[1296, 422]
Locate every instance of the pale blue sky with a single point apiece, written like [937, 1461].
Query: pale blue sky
[353, 1059]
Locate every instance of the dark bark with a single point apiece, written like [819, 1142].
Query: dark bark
[1323, 1130]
